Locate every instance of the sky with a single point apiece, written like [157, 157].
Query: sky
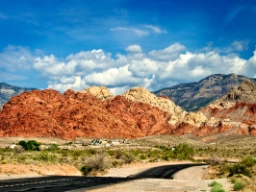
[120, 44]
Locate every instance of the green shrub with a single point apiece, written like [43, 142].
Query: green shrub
[143, 157]
[183, 151]
[85, 170]
[216, 187]
[30, 145]
[239, 168]
[238, 186]
[4, 161]
[248, 162]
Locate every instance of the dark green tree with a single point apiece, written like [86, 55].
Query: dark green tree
[31, 145]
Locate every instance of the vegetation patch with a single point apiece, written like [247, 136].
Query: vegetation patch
[216, 187]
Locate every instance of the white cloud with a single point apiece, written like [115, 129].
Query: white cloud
[134, 48]
[155, 29]
[112, 77]
[143, 68]
[168, 53]
[78, 84]
[153, 70]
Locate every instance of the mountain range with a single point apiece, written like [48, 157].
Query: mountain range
[193, 96]
[96, 113]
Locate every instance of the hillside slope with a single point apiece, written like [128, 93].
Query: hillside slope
[193, 96]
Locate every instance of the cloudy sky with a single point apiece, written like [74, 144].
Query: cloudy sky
[120, 44]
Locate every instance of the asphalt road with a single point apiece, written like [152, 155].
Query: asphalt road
[76, 183]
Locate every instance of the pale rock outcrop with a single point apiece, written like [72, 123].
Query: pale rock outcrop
[100, 92]
[178, 116]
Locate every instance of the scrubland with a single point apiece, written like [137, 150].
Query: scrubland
[230, 157]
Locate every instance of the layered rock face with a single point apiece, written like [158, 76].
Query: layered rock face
[237, 106]
[74, 114]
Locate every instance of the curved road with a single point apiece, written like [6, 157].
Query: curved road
[79, 184]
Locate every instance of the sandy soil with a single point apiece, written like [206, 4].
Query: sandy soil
[9, 171]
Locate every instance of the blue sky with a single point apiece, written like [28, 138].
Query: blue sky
[120, 44]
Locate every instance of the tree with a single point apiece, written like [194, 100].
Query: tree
[31, 145]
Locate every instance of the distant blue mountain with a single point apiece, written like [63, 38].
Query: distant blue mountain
[8, 91]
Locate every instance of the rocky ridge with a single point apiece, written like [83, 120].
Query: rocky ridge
[237, 105]
[94, 112]
[193, 96]
[74, 114]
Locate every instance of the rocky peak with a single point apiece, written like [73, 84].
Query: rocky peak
[193, 96]
[246, 92]
[100, 92]
[139, 94]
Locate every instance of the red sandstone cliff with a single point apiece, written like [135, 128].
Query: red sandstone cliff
[74, 114]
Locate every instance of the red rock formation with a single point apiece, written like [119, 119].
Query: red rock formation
[73, 114]
[94, 113]
[238, 105]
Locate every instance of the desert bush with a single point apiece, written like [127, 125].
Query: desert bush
[238, 186]
[183, 151]
[4, 161]
[85, 170]
[248, 162]
[214, 160]
[53, 147]
[127, 158]
[216, 187]
[239, 168]
[98, 162]
[118, 154]
[18, 149]
[143, 156]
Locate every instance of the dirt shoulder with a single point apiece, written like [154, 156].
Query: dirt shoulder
[9, 171]
[189, 179]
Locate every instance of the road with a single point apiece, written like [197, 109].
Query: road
[78, 183]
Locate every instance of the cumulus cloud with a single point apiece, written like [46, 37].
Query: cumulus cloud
[153, 70]
[112, 77]
[168, 53]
